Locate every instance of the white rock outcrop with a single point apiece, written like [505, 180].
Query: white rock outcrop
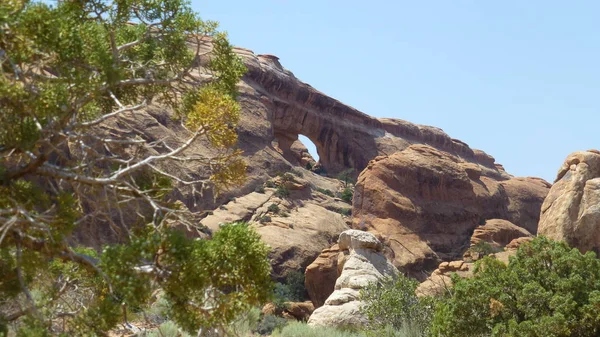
[362, 262]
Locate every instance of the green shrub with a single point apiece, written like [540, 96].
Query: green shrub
[282, 191]
[341, 210]
[547, 289]
[260, 189]
[270, 323]
[274, 208]
[347, 177]
[392, 304]
[264, 219]
[269, 184]
[325, 191]
[297, 172]
[167, 329]
[299, 329]
[291, 290]
[245, 324]
[347, 194]
[309, 166]
[484, 248]
[287, 177]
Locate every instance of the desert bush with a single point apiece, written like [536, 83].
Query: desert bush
[347, 194]
[260, 189]
[282, 191]
[391, 304]
[270, 184]
[299, 329]
[325, 191]
[269, 324]
[291, 290]
[264, 219]
[547, 289]
[347, 177]
[274, 208]
[167, 329]
[245, 324]
[297, 172]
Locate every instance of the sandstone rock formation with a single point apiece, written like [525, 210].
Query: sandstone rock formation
[362, 263]
[321, 274]
[498, 233]
[424, 204]
[276, 109]
[571, 212]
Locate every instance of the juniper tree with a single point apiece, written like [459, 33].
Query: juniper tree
[67, 70]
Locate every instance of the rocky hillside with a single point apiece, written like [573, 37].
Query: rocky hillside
[420, 191]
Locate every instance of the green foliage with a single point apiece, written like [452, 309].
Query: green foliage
[264, 219]
[245, 324]
[291, 290]
[299, 329]
[341, 210]
[392, 304]
[547, 289]
[347, 194]
[282, 191]
[483, 248]
[229, 273]
[347, 177]
[309, 166]
[326, 192]
[297, 172]
[269, 184]
[167, 329]
[68, 69]
[260, 189]
[270, 323]
[274, 208]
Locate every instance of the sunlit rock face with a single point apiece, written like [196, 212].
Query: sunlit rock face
[571, 212]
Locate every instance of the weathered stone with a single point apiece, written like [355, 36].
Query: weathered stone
[365, 264]
[321, 274]
[498, 233]
[423, 203]
[571, 212]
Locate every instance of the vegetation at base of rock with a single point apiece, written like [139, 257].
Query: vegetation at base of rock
[260, 189]
[341, 210]
[264, 219]
[274, 208]
[484, 248]
[391, 304]
[270, 184]
[292, 289]
[547, 289]
[347, 177]
[299, 329]
[347, 194]
[297, 172]
[282, 191]
[325, 191]
[270, 323]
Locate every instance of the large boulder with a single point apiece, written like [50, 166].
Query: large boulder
[424, 204]
[571, 212]
[321, 274]
[362, 263]
[498, 233]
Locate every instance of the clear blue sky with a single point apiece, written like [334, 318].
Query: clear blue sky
[517, 79]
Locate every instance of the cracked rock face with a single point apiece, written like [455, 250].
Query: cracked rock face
[571, 212]
[424, 204]
[362, 263]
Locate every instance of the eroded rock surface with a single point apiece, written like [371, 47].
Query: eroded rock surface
[498, 233]
[362, 263]
[571, 212]
[424, 203]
